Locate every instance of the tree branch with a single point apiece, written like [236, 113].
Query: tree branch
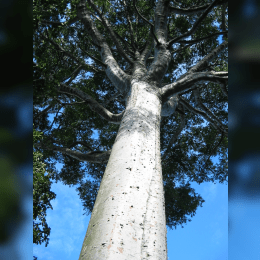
[195, 26]
[113, 97]
[207, 110]
[117, 76]
[175, 136]
[154, 36]
[214, 149]
[147, 50]
[192, 10]
[82, 143]
[95, 59]
[68, 54]
[45, 110]
[201, 113]
[142, 16]
[132, 34]
[151, 25]
[93, 104]
[188, 11]
[126, 44]
[92, 157]
[209, 57]
[66, 23]
[223, 18]
[188, 82]
[74, 74]
[203, 38]
[70, 104]
[112, 34]
[181, 49]
[224, 90]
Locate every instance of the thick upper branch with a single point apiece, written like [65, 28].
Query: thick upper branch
[188, 82]
[118, 77]
[162, 55]
[111, 32]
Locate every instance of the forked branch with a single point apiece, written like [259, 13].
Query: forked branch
[195, 26]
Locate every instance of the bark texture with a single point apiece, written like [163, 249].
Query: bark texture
[128, 220]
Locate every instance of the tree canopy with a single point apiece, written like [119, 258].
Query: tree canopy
[78, 108]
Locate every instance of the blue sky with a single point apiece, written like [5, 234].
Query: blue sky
[204, 238]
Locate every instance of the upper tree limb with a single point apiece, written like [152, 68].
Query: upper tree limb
[162, 55]
[93, 104]
[189, 81]
[194, 9]
[205, 115]
[196, 24]
[111, 32]
[117, 76]
[66, 23]
[92, 157]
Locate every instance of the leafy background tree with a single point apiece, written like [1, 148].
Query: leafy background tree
[42, 195]
[188, 142]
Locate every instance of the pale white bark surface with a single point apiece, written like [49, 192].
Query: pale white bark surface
[128, 220]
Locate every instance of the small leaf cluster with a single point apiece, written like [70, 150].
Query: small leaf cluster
[42, 195]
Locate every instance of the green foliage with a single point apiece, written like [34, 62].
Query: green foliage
[42, 195]
[190, 158]
[180, 203]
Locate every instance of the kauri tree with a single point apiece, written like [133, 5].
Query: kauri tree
[131, 97]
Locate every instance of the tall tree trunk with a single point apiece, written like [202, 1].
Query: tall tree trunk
[128, 220]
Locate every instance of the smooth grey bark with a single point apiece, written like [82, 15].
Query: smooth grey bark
[128, 220]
